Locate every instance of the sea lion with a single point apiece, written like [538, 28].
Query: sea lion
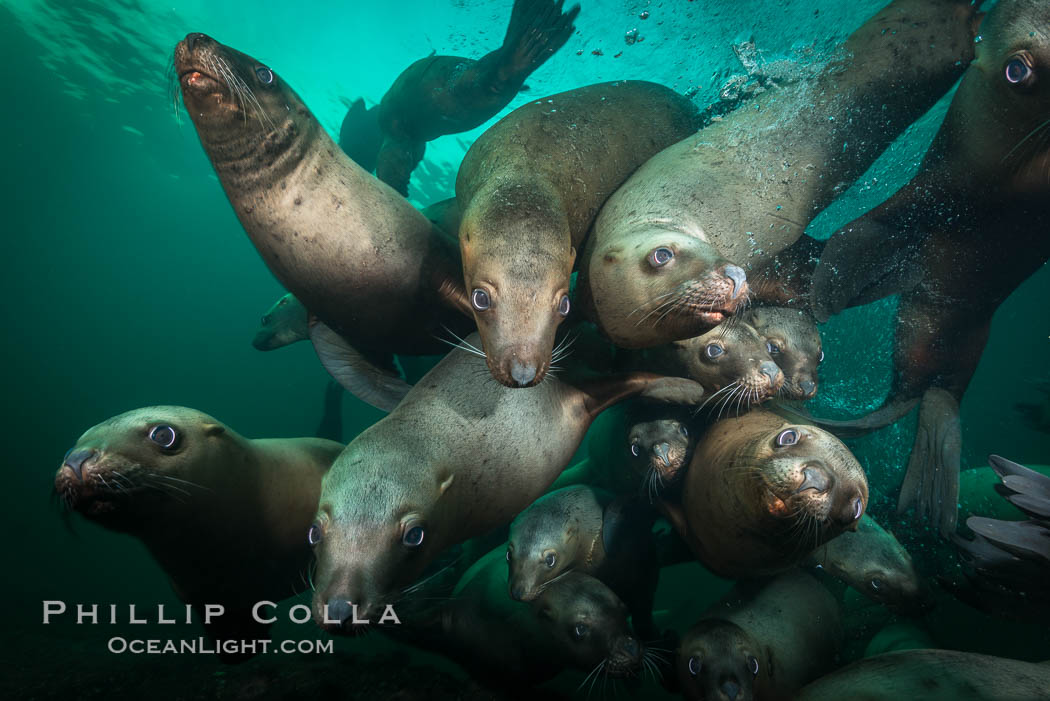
[764, 641]
[286, 322]
[224, 516]
[1037, 416]
[731, 361]
[440, 95]
[874, 563]
[660, 440]
[402, 491]
[582, 529]
[793, 341]
[528, 190]
[761, 493]
[743, 189]
[955, 242]
[358, 256]
[933, 675]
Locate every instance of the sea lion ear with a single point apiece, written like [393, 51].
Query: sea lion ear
[446, 484]
[213, 429]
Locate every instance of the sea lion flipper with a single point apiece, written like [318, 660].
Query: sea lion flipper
[674, 390]
[536, 31]
[931, 483]
[1023, 480]
[1025, 539]
[383, 388]
[889, 413]
[396, 160]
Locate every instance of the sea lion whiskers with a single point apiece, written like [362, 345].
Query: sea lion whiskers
[1040, 128]
[555, 579]
[705, 402]
[594, 671]
[462, 344]
[412, 588]
[174, 90]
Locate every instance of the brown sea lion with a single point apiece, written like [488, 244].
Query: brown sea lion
[793, 341]
[358, 256]
[224, 516]
[284, 323]
[459, 456]
[874, 563]
[743, 189]
[763, 642]
[660, 440]
[955, 241]
[761, 493]
[933, 675]
[528, 190]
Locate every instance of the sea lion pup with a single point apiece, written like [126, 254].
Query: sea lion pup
[440, 95]
[933, 675]
[286, 322]
[744, 188]
[528, 190]
[660, 441]
[223, 515]
[793, 341]
[402, 492]
[761, 493]
[358, 256]
[587, 530]
[731, 361]
[874, 563]
[955, 242]
[763, 641]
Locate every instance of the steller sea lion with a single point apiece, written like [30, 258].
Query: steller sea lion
[793, 341]
[761, 493]
[933, 675]
[224, 516]
[743, 189]
[528, 190]
[286, 322]
[459, 456]
[763, 641]
[955, 242]
[358, 256]
[660, 440]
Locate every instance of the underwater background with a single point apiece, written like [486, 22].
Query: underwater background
[129, 282]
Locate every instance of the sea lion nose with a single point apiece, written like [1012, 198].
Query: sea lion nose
[739, 278]
[814, 478]
[339, 610]
[630, 646]
[517, 593]
[731, 689]
[770, 370]
[75, 461]
[809, 387]
[523, 374]
[193, 38]
[662, 450]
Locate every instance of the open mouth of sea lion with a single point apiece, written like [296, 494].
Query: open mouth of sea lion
[201, 81]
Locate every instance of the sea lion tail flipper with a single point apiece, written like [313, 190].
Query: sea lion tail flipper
[396, 160]
[382, 387]
[931, 483]
[889, 413]
[1028, 540]
[536, 31]
[331, 426]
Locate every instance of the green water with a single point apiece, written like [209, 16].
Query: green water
[129, 282]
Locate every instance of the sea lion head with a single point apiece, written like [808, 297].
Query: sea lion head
[660, 449]
[517, 264]
[373, 535]
[660, 285]
[547, 537]
[793, 342]
[999, 117]
[718, 661]
[122, 471]
[250, 122]
[876, 564]
[284, 323]
[588, 622]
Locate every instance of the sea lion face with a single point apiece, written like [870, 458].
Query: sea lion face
[589, 623]
[733, 364]
[284, 323]
[243, 111]
[660, 449]
[124, 469]
[887, 573]
[542, 546]
[719, 661]
[663, 285]
[793, 342]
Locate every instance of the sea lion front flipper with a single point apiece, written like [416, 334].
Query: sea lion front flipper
[931, 483]
[396, 161]
[1031, 489]
[1025, 539]
[674, 390]
[537, 29]
[383, 388]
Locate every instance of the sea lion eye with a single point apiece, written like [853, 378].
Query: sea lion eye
[580, 630]
[479, 299]
[413, 537]
[1017, 70]
[313, 536]
[264, 74]
[635, 450]
[684, 430]
[563, 306]
[773, 348]
[265, 321]
[752, 664]
[165, 436]
[550, 559]
[858, 508]
[714, 350]
[821, 358]
[660, 257]
[508, 554]
[875, 583]
[788, 436]
[694, 665]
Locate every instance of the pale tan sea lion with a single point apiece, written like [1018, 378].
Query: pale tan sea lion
[284, 323]
[793, 342]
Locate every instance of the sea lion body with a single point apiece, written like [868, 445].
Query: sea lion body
[529, 189]
[764, 641]
[743, 189]
[793, 341]
[761, 493]
[936, 675]
[459, 456]
[225, 517]
[284, 323]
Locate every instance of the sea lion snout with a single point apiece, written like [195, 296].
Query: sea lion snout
[739, 278]
[76, 459]
[808, 387]
[772, 371]
[625, 656]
